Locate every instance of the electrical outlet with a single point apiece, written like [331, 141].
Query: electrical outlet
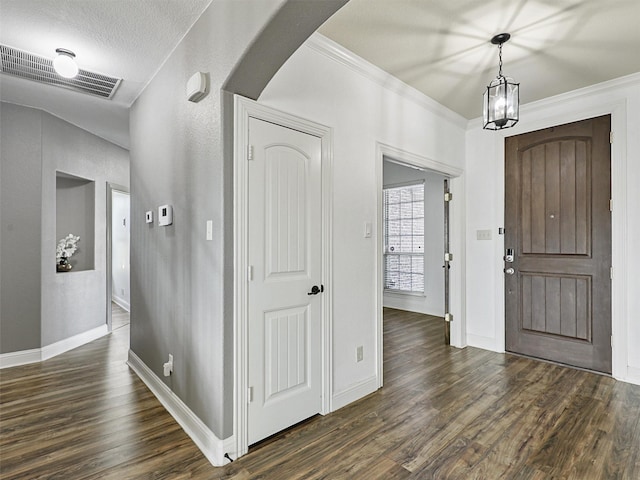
[168, 366]
[359, 353]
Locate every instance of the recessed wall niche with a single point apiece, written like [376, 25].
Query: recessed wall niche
[75, 213]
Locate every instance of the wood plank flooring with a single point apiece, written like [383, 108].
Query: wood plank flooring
[119, 316]
[443, 413]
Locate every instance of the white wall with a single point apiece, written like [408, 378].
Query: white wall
[485, 207]
[432, 302]
[316, 85]
[120, 228]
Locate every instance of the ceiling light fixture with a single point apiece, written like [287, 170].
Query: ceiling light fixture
[64, 64]
[502, 98]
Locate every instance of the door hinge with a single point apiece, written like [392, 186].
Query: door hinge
[448, 197]
[448, 317]
[610, 137]
[611, 273]
[611, 340]
[249, 394]
[249, 152]
[250, 272]
[448, 257]
[611, 205]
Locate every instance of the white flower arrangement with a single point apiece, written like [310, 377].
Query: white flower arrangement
[67, 246]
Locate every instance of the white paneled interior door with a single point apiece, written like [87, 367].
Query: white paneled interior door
[285, 263]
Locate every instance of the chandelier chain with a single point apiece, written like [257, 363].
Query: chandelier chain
[500, 63]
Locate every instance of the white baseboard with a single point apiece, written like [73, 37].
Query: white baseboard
[24, 357]
[486, 343]
[211, 446]
[76, 341]
[353, 393]
[633, 376]
[121, 302]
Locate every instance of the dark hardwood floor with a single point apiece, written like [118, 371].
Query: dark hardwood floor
[119, 316]
[443, 413]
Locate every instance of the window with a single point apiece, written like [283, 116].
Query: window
[404, 238]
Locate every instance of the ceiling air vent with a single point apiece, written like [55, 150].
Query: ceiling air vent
[33, 67]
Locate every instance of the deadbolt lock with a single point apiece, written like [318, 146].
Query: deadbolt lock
[509, 255]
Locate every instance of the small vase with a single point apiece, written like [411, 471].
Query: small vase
[64, 265]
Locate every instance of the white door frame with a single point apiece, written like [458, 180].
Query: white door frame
[111, 187]
[456, 234]
[245, 109]
[619, 246]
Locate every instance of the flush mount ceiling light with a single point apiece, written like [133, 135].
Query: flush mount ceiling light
[502, 98]
[64, 64]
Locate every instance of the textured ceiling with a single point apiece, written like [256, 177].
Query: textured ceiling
[128, 39]
[442, 47]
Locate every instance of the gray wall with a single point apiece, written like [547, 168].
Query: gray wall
[70, 303]
[433, 301]
[20, 227]
[182, 155]
[75, 213]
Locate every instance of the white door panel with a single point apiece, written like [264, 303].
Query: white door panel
[284, 250]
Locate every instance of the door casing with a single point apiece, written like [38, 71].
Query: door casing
[619, 289]
[111, 187]
[245, 109]
[456, 219]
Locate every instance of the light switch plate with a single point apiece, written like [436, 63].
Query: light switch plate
[209, 230]
[148, 218]
[483, 234]
[367, 229]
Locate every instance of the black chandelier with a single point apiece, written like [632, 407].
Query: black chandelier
[502, 98]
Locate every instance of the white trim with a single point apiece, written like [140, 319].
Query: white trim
[633, 375]
[338, 53]
[121, 302]
[23, 357]
[619, 286]
[244, 109]
[355, 392]
[110, 189]
[211, 446]
[76, 341]
[456, 222]
[486, 343]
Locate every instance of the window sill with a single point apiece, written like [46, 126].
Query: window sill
[404, 293]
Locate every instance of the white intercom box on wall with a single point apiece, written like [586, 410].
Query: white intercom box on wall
[165, 215]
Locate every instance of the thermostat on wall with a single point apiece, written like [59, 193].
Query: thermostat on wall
[148, 218]
[165, 215]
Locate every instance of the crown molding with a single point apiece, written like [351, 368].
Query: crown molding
[336, 52]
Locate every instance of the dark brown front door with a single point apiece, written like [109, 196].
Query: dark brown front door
[558, 225]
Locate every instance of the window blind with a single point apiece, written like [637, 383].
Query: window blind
[404, 238]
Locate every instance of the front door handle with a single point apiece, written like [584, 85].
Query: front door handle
[316, 290]
[509, 271]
